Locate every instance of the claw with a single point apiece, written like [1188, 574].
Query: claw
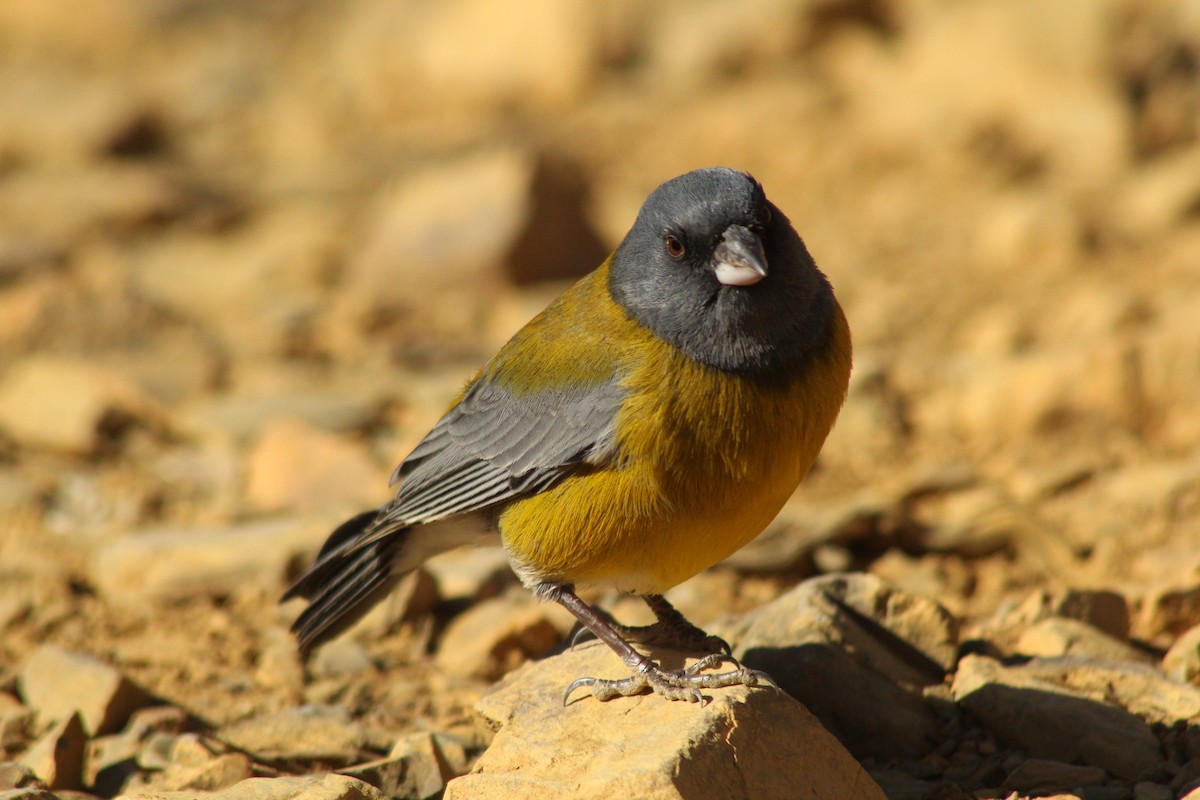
[575, 684]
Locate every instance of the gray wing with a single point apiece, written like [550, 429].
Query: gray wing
[495, 446]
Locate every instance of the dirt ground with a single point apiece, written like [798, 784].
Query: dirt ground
[249, 252]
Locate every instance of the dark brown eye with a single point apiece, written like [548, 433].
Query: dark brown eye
[767, 215]
[675, 248]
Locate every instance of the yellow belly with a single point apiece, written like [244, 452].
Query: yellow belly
[706, 461]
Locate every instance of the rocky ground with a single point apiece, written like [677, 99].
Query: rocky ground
[249, 251]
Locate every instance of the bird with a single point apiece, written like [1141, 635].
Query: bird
[647, 424]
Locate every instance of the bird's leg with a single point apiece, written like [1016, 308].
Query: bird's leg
[671, 629]
[680, 684]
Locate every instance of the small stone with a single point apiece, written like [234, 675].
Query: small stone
[15, 775]
[169, 563]
[1049, 721]
[195, 765]
[1182, 661]
[57, 758]
[33, 793]
[1043, 774]
[1056, 636]
[57, 683]
[317, 733]
[471, 572]
[71, 406]
[340, 658]
[295, 466]
[16, 727]
[1104, 610]
[418, 766]
[1145, 790]
[495, 636]
[743, 743]
[301, 787]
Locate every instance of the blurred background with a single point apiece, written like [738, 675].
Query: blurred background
[249, 252]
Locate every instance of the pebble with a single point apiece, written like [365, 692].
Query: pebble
[67, 405]
[1047, 720]
[318, 733]
[57, 757]
[58, 683]
[167, 563]
[497, 635]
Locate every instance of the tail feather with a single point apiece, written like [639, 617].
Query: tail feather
[345, 583]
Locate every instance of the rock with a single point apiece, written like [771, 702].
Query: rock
[244, 413]
[901, 635]
[256, 287]
[71, 406]
[542, 57]
[1046, 720]
[497, 635]
[1137, 687]
[33, 793]
[846, 644]
[418, 766]
[1182, 661]
[296, 467]
[1145, 790]
[338, 659]
[1105, 610]
[57, 757]
[164, 563]
[15, 775]
[1056, 636]
[434, 248]
[194, 765]
[16, 726]
[301, 787]
[471, 572]
[743, 743]
[321, 733]
[1044, 775]
[1170, 610]
[899, 785]
[58, 683]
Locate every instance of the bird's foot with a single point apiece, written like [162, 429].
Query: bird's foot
[664, 634]
[680, 684]
[671, 629]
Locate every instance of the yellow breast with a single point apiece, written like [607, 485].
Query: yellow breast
[707, 460]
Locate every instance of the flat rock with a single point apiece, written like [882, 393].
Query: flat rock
[58, 683]
[855, 652]
[323, 733]
[68, 405]
[1137, 687]
[743, 743]
[166, 563]
[1047, 720]
[300, 787]
[1045, 775]
[1058, 636]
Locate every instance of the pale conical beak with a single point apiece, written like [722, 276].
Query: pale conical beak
[739, 259]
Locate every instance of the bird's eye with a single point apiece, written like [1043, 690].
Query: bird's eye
[674, 244]
[767, 216]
